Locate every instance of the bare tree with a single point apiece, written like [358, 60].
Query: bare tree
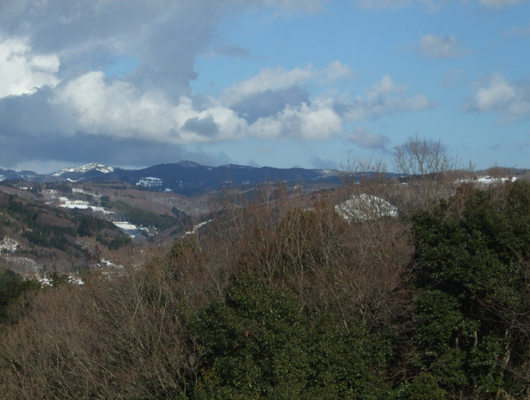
[431, 172]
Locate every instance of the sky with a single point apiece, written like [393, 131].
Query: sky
[281, 83]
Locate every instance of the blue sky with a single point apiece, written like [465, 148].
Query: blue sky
[280, 83]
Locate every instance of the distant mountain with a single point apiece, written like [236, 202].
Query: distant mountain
[191, 178]
[184, 177]
[85, 169]
[9, 174]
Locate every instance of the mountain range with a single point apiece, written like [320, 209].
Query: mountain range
[184, 177]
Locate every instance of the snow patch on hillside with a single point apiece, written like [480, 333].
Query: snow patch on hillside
[487, 180]
[149, 182]
[82, 205]
[8, 245]
[366, 207]
[197, 227]
[126, 226]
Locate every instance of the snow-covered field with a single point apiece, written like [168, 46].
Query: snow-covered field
[126, 226]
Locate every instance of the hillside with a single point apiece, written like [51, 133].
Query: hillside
[36, 239]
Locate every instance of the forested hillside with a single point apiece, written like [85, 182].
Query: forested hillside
[36, 239]
[286, 298]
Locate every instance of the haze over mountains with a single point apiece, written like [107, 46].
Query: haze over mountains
[184, 177]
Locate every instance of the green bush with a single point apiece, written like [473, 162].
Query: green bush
[258, 343]
[472, 276]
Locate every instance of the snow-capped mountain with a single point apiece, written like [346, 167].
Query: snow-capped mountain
[105, 169]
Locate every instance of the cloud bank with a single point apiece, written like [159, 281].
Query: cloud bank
[53, 56]
[58, 101]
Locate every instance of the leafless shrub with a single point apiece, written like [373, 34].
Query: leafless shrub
[124, 335]
[430, 171]
[114, 337]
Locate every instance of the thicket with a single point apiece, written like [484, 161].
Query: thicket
[283, 298]
[142, 217]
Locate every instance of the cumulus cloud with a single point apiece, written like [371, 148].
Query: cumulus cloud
[317, 121]
[509, 99]
[22, 71]
[383, 98]
[432, 46]
[269, 102]
[164, 35]
[120, 108]
[279, 77]
[367, 140]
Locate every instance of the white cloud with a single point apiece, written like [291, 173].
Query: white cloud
[120, 109]
[432, 46]
[22, 71]
[383, 88]
[500, 3]
[385, 98]
[279, 77]
[163, 36]
[367, 140]
[315, 122]
[510, 100]
[336, 70]
[498, 94]
[269, 79]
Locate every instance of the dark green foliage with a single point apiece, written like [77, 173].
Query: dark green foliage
[57, 280]
[423, 386]
[105, 201]
[258, 343]
[143, 217]
[89, 226]
[472, 273]
[40, 233]
[52, 228]
[11, 287]
[50, 236]
[113, 240]
[59, 186]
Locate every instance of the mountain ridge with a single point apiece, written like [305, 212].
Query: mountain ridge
[182, 177]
